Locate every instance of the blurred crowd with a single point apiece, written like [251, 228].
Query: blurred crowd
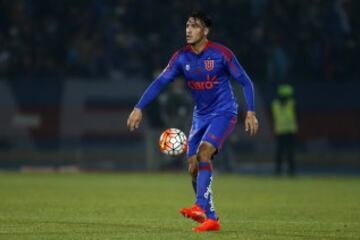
[275, 40]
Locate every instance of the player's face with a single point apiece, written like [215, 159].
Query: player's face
[195, 31]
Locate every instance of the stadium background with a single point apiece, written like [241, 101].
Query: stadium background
[71, 71]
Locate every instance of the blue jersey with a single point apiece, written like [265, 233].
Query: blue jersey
[207, 75]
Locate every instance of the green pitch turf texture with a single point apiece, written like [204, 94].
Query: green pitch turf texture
[145, 206]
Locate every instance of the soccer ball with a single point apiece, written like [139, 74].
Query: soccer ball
[173, 142]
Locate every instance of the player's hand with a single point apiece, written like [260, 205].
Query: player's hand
[134, 119]
[251, 123]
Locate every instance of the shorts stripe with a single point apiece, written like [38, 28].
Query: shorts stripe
[228, 130]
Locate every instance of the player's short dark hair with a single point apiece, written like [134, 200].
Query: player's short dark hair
[203, 17]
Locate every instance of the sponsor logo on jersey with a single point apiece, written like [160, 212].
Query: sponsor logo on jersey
[209, 64]
[203, 85]
[187, 67]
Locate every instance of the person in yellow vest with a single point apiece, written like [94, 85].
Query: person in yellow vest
[285, 128]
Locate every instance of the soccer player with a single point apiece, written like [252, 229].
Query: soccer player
[207, 68]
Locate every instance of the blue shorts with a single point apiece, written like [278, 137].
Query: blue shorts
[212, 129]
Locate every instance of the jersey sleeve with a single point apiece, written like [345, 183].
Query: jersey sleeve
[171, 71]
[239, 74]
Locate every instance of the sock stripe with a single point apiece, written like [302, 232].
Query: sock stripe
[205, 167]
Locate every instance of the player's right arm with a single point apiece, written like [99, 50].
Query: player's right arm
[171, 71]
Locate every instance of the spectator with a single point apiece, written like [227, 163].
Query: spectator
[97, 38]
[285, 128]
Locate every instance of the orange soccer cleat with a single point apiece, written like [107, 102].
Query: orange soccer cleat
[208, 225]
[195, 213]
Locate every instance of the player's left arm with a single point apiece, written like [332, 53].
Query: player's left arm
[239, 74]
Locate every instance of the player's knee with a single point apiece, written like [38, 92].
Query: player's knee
[193, 166]
[193, 169]
[205, 153]
[203, 156]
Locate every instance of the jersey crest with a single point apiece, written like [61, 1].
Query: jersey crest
[209, 64]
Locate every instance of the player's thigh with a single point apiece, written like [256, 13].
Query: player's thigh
[219, 129]
[196, 134]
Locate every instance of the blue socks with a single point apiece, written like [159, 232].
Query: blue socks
[204, 192]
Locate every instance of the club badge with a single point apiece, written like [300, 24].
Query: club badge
[209, 64]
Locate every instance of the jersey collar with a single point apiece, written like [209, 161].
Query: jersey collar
[206, 46]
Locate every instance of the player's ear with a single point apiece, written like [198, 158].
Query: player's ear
[206, 31]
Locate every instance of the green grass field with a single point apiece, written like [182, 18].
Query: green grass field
[145, 206]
